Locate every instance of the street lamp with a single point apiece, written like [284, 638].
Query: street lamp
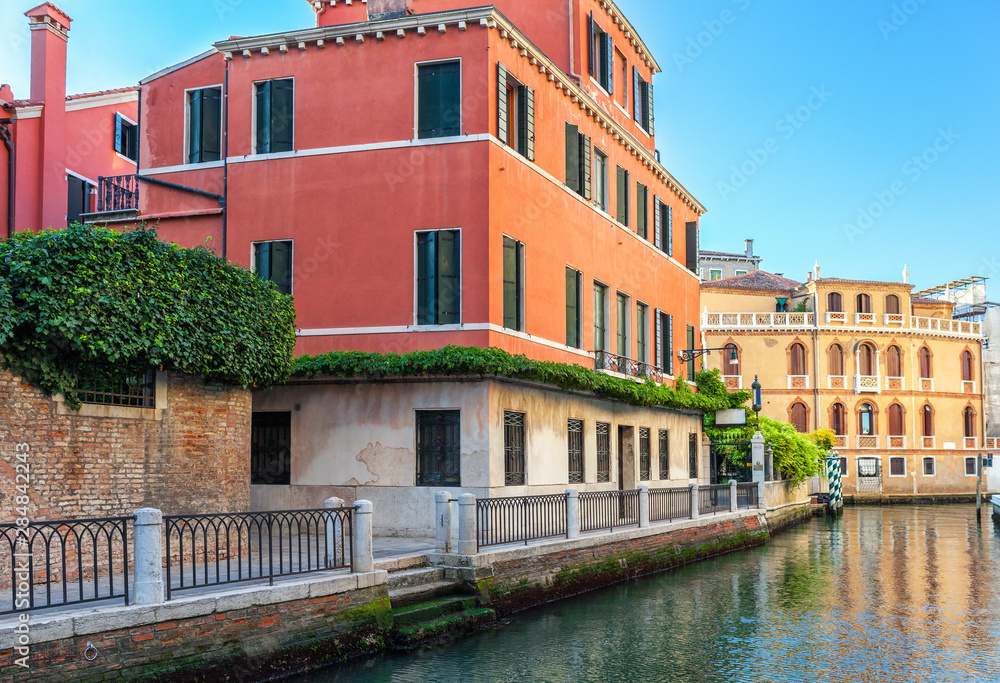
[756, 386]
[688, 355]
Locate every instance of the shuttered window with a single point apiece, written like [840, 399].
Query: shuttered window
[439, 447]
[894, 361]
[273, 263]
[663, 226]
[837, 360]
[895, 415]
[513, 284]
[526, 122]
[839, 419]
[275, 116]
[439, 278]
[600, 60]
[515, 114]
[600, 312]
[622, 196]
[924, 356]
[642, 333]
[691, 240]
[642, 98]
[579, 150]
[664, 342]
[928, 421]
[642, 211]
[126, 138]
[204, 125]
[968, 367]
[621, 327]
[439, 104]
[799, 417]
[690, 345]
[574, 316]
[797, 360]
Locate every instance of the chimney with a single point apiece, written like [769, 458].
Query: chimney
[816, 270]
[749, 247]
[6, 94]
[49, 32]
[389, 9]
[906, 275]
[809, 277]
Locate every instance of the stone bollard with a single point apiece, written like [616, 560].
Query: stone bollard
[694, 501]
[761, 499]
[442, 522]
[467, 525]
[334, 531]
[643, 507]
[147, 554]
[572, 513]
[734, 501]
[361, 538]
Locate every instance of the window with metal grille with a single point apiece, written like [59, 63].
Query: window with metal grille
[439, 100]
[439, 258]
[897, 467]
[575, 429]
[439, 447]
[513, 448]
[664, 454]
[603, 452]
[693, 456]
[513, 284]
[117, 386]
[275, 116]
[272, 261]
[271, 449]
[928, 467]
[970, 467]
[645, 463]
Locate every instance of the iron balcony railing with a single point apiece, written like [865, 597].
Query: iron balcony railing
[520, 519]
[608, 510]
[666, 505]
[63, 562]
[605, 360]
[117, 193]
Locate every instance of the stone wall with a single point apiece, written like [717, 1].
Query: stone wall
[189, 455]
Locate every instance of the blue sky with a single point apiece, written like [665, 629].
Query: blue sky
[861, 133]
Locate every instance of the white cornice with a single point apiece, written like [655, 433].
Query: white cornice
[611, 9]
[103, 100]
[33, 111]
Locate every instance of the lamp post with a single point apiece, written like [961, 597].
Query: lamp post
[756, 386]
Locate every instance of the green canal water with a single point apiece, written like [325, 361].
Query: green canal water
[881, 594]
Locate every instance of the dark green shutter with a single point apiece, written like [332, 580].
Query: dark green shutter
[649, 108]
[118, 134]
[195, 127]
[691, 238]
[211, 127]
[586, 167]
[573, 157]
[621, 325]
[658, 339]
[263, 117]
[262, 262]
[510, 284]
[426, 278]
[503, 105]
[636, 96]
[621, 195]
[670, 345]
[282, 115]
[610, 62]
[592, 59]
[670, 231]
[526, 122]
[449, 278]
[641, 227]
[281, 266]
[573, 282]
[690, 345]
[657, 223]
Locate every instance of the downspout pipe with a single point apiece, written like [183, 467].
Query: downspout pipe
[8, 143]
[572, 47]
[225, 158]
[815, 339]
[193, 190]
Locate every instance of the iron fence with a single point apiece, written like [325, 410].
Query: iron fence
[117, 193]
[605, 360]
[747, 495]
[608, 510]
[64, 562]
[713, 499]
[666, 505]
[217, 549]
[520, 519]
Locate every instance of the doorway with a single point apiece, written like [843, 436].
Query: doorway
[626, 458]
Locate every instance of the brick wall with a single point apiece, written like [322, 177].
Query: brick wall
[196, 459]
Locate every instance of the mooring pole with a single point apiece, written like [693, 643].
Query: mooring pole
[979, 487]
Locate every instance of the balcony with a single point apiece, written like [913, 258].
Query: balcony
[867, 384]
[928, 442]
[758, 320]
[895, 384]
[968, 387]
[948, 326]
[971, 443]
[798, 381]
[836, 317]
[925, 384]
[869, 442]
[864, 319]
[836, 382]
[117, 198]
[895, 320]
[733, 382]
[896, 442]
[612, 362]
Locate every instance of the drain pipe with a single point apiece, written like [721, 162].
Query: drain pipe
[572, 47]
[8, 142]
[815, 339]
[225, 158]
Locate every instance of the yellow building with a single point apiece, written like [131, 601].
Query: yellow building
[896, 378]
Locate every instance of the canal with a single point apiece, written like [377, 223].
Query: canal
[881, 594]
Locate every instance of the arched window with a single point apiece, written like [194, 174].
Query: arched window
[797, 359]
[895, 414]
[928, 420]
[866, 420]
[800, 417]
[892, 304]
[864, 303]
[731, 362]
[925, 362]
[866, 360]
[968, 367]
[969, 416]
[835, 302]
[839, 419]
[837, 360]
[894, 361]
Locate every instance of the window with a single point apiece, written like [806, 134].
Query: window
[924, 356]
[642, 333]
[601, 180]
[665, 342]
[204, 125]
[895, 415]
[837, 360]
[574, 316]
[515, 114]
[623, 345]
[731, 361]
[968, 367]
[575, 429]
[693, 456]
[866, 420]
[642, 211]
[126, 138]
[894, 361]
[969, 420]
[714, 274]
[866, 360]
[843, 467]
[439, 449]
[897, 467]
[622, 78]
[601, 57]
[642, 95]
[928, 467]
[126, 385]
[600, 317]
[439, 257]
[603, 452]
[970, 467]
[623, 196]
[691, 230]
[271, 449]
[645, 463]
[664, 454]
[513, 284]
[839, 419]
[799, 416]
[835, 302]
[513, 448]
[740, 272]
[892, 304]
[272, 261]
[275, 116]
[663, 226]
[864, 303]
[797, 360]
[578, 162]
[928, 420]
[77, 199]
[690, 345]
[439, 100]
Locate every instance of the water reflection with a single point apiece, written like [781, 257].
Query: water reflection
[883, 594]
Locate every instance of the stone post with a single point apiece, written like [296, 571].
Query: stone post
[694, 501]
[442, 522]
[147, 555]
[467, 525]
[572, 513]
[361, 538]
[334, 531]
[761, 496]
[757, 444]
[643, 507]
[734, 502]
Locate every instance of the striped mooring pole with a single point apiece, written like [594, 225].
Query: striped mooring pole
[834, 477]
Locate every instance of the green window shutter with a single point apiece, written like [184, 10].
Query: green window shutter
[657, 223]
[573, 157]
[439, 107]
[195, 126]
[599, 321]
[670, 231]
[426, 278]
[503, 105]
[636, 96]
[649, 108]
[451, 99]
[526, 122]
[609, 56]
[640, 334]
[572, 308]
[262, 261]
[521, 284]
[449, 278]
[586, 167]
[118, 134]
[211, 127]
[282, 115]
[658, 339]
[621, 195]
[263, 117]
[670, 345]
[281, 266]
[691, 239]
[591, 57]
[510, 284]
[621, 323]
[690, 345]
[641, 228]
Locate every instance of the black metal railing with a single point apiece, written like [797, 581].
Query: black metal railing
[117, 193]
[747, 496]
[608, 510]
[520, 519]
[64, 562]
[605, 360]
[713, 499]
[118, 386]
[666, 505]
[216, 549]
